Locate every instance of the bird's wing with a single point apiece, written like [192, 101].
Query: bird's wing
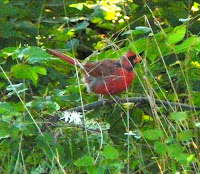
[103, 68]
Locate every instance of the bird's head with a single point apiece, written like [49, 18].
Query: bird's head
[129, 60]
[132, 57]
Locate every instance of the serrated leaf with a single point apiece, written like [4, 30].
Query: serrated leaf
[23, 71]
[110, 152]
[8, 51]
[47, 105]
[85, 161]
[185, 135]
[178, 116]
[153, 134]
[34, 54]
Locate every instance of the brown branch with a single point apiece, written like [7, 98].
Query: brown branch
[142, 100]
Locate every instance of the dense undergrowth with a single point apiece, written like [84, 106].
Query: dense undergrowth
[37, 88]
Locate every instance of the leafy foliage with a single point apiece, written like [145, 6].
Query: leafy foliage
[36, 88]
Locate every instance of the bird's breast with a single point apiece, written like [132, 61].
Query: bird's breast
[110, 84]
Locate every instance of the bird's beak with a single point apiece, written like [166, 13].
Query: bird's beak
[138, 59]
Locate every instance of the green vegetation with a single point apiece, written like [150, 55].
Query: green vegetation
[36, 88]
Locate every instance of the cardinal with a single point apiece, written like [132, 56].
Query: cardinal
[107, 77]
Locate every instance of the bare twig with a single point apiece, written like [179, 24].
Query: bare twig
[143, 100]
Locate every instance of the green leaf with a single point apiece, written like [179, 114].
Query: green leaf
[160, 148]
[153, 134]
[23, 71]
[178, 116]
[152, 50]
[39, 70]
[133, 32]
[92, 170]
[176, 35]
[174, 150]
[72, 44]
[2, 84]
[5, 108]
[189, 43]
[81, 26]
[139, 45]
[19, 88]
[144, 29]
[134, 164]
[85, 161]
[34, 54]
[185, 159]
[79, 6]
[9, 51]
[185, 135]
[4, 133]
[7, 112]
[47, 105]
[110, 152]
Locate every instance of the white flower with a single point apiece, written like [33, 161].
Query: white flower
[74, 117]
[135, 133]
[129, 133]
[198, 124]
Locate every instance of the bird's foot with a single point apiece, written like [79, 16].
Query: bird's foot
[116, 98]
[101, 98]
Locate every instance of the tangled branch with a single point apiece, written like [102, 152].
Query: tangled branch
[142, 100]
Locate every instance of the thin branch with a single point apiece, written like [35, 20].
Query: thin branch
[142, 100]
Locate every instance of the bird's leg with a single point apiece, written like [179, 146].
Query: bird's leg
[101, 98]
[116, 98]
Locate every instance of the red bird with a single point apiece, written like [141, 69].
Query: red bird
[106, 77]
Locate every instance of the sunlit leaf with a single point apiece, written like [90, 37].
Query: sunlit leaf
[176, 35]
[178, 116]
[110, 152]
[186, 135]
[174, 150]
[160, 148]
[23, 71]
[85, 161]
[153, 134]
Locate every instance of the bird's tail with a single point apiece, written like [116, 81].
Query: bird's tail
[64, 57]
